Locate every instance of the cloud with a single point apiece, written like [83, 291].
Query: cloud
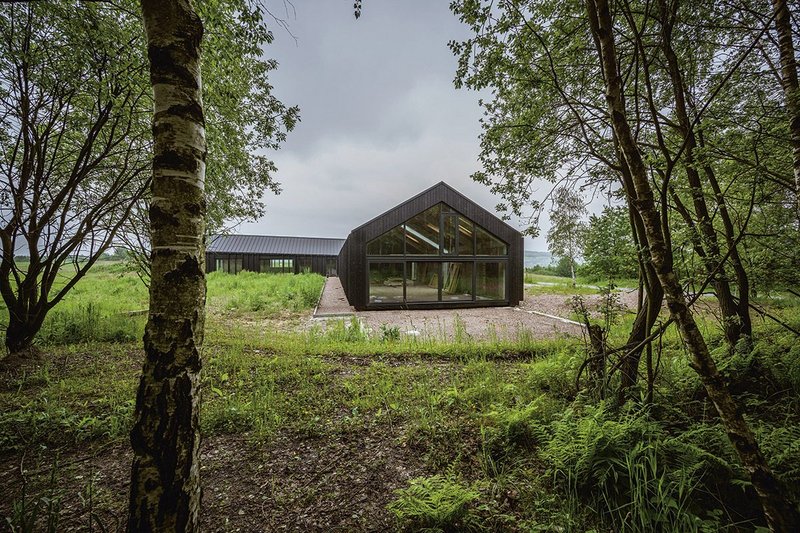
[381, 120]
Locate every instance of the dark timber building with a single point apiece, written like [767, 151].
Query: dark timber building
[438, 249]
[264, 253]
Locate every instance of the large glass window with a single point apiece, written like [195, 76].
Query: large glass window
[277, 266]
[424, 241]
[330, 267]
[457, 281]
[422, 232]
[422, 281]
[466, 237]
[385, 283]
[449, 234]
[488, 244]
[390, 243]
[490, 281]
[230, 265]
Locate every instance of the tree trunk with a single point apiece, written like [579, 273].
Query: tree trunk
[597, 358]
[647, 312]
[732, 322]
[572, 272]
[791, 87]
[165, 475]
[19, 334]
[742, 279]
[779, 512]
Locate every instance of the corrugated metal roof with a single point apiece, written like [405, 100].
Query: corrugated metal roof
[274, 245]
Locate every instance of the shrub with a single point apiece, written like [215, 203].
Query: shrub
[628, 469]
[435, 504]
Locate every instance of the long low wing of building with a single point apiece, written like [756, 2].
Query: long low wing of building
[274, 254]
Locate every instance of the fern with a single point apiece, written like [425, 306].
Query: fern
[627, 468]
[435, 504]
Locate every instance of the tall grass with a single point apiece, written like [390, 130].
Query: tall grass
[626, 468]
[110, 303]
[266, 295]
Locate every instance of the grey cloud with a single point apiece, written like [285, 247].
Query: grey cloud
[381, 120]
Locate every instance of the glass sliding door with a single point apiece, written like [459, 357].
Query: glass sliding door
[457, 281]
[490, 281]
[386, 283]
[422, 281]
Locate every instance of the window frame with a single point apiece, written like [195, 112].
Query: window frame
[474, 259]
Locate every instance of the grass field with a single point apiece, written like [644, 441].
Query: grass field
[318, 430]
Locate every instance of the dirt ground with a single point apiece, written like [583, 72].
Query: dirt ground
[338, 480]
[295, 483]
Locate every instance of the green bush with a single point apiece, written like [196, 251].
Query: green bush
[435, 504]
[627, 468]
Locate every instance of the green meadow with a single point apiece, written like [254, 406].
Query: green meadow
[495, 435]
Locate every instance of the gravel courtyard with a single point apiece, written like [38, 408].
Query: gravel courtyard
[543, 316]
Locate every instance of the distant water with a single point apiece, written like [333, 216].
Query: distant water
[533, 259]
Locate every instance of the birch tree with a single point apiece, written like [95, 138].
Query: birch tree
[791, 87]
[779, 511]
[165, 475]
[567, 227]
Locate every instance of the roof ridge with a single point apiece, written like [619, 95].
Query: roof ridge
[214, 235]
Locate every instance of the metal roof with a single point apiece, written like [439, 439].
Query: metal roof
[274, 245]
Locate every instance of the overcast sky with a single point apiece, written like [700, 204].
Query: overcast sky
[380, 117]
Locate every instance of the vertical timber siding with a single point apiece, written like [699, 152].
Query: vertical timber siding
[252, 262]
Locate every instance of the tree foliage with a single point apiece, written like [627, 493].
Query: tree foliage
[73, 145]
[667, 102]
[566, 234]
[75, 106]
[244, 119]
[608, 248]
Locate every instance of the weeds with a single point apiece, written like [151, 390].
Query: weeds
[508, 441]
[35, 514]
[435, 504]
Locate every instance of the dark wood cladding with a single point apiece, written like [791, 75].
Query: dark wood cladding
[252, 262]
[352, 261]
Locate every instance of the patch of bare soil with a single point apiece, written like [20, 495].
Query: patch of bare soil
[292, 483]
[561, 305]
[308, 484]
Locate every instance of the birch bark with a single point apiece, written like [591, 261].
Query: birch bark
[791, 87]
[165, 475]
